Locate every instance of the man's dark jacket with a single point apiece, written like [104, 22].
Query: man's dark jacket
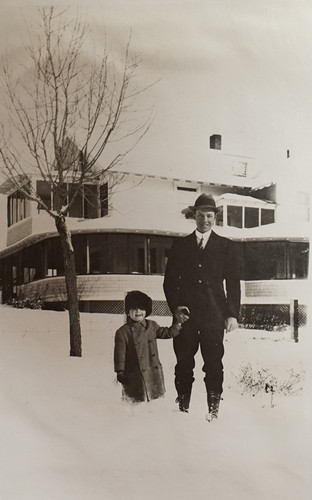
[206, 281]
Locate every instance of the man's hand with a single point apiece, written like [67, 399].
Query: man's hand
[230, 324]
[182, 314]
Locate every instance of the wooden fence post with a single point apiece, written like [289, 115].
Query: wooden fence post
[294, 319]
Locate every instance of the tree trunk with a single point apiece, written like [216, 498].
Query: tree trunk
[71, 286]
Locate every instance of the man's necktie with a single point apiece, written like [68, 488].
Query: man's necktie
[201, 244]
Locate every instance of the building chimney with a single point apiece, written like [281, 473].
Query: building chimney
[215, 141]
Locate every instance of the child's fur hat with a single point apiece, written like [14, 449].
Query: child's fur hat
[136, 299]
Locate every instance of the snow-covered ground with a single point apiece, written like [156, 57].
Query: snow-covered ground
[65, 434]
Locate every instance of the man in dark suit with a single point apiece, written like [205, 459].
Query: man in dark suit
[198, 267]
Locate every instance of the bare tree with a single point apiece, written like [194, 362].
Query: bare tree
[70, 109]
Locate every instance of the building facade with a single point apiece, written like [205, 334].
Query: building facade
[122, 243]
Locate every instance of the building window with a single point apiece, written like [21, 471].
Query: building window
[18, 207]
[298, 260]
[44, 192]
[265, 260]
[251, 217]
[104, 199]
[7, 278]
[85, 204]
[137, 254]
[275, 260]
[267, 216]
[247, 217]
[31, 264]
[94, 254]
[159, 249]
[97, 253]
[117, 253]
[128, 253]
[108, 253]
[53, 258]
[215, 141]
[90, 201]
[14, 278]
[254, 261]
[80, 252]
[75, 209]
[60, 197]
[187, 189]
[219, 216]
[235, 216]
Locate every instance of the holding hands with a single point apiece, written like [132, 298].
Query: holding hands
[182, 314]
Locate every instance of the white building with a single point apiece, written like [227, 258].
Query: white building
[123, 244]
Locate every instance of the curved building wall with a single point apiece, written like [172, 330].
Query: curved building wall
[109, 264]
[104, 293]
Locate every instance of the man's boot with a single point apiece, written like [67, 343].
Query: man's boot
[213, 399]
[184, 402]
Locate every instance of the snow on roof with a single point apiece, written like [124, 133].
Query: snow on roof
[210, 181]
[243, 198]
[274, 231]
[160, 223]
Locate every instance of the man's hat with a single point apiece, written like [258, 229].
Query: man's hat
[205, 201]
[136, 299]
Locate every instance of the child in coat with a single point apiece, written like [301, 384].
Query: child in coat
[136, 359]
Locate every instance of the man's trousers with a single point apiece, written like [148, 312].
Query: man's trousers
[209, 338]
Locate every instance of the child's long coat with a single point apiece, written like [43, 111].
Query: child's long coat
[136, 354]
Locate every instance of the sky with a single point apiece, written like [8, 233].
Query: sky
[240, 68]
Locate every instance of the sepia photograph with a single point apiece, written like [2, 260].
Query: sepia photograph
[155, 227]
